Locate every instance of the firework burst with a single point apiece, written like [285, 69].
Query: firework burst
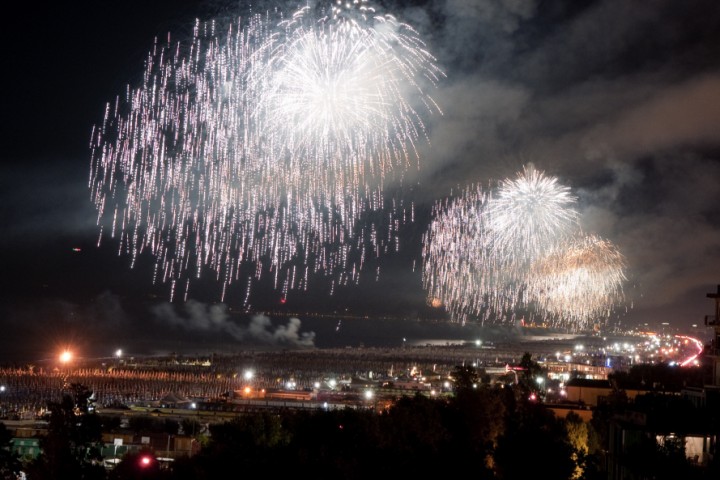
[528, 215]
[491, 254]
[260, 148]
[579, 281]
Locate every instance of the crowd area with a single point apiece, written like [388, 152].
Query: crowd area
[27, 389]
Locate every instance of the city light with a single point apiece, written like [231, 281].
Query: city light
[66, 356]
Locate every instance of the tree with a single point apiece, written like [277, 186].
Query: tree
[415, 427]
[190, 426]
[9, 462]
[143, 425]
[534, 440]
[465, 377]
[72, 446]
[578, 433]
[530, 371]
[340, 443]
[475, 421]
[248, 442]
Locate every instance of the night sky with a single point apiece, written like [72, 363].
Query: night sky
[619, 100]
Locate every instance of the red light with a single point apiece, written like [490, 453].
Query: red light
[283, 300]
[145, 460]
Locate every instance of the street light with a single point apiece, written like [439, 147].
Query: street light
[66, 356]
[370, 397]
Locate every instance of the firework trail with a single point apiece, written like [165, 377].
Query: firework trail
[459, 270]
[263, 146]
[489, 254]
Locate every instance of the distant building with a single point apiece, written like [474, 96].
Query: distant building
[593, 392]
[712, 352]
[566, 370]
[27, 448]
[696, 426]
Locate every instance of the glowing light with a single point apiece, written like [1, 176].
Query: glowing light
[699, 348]
[66, 356]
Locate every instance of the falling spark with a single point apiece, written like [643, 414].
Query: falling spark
[579, 281]
[265, 147]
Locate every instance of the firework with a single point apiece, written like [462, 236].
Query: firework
[491, 254]
[579, 281]
[461, 268]
[528, 215]
[262, 147]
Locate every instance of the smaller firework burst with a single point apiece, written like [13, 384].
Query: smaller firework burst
[580, 281]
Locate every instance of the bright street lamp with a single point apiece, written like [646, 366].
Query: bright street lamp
[65, 356]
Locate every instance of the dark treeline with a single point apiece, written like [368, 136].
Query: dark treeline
[493, 432]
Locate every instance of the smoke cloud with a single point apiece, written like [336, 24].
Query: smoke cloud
[196, 316]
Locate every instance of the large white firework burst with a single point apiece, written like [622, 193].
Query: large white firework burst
[490, 255]
[529, 214]
[263, 146]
